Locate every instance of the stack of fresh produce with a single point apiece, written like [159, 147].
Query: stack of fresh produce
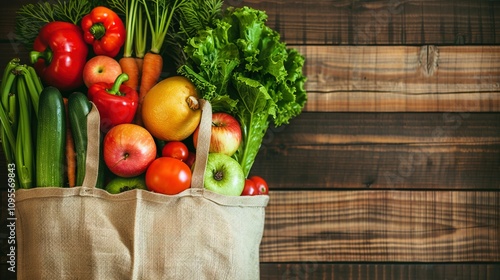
[88, 52]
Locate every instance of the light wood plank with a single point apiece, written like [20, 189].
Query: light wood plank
[402, 78]
[382, 226]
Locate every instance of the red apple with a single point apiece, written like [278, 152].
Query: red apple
[128, 150]
[226, 134]
[101, 68]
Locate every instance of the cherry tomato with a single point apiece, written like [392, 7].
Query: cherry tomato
[175, 149]
[250, 188]
[261, 184]
[168, 175]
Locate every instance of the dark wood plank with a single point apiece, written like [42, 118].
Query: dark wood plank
[11, 50]
[402, 78]
[383, 150]
[8, 18]
[382, 226]
[362, 22]
[380, 271]
[3, 176]
[380, 150]
[5, 233]
[383, 22]
[5, 274]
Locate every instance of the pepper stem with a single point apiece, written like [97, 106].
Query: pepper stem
[115, 89]
[97, 30]
[46, 55]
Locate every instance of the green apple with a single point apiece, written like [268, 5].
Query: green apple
[121, 184]
[223, 175]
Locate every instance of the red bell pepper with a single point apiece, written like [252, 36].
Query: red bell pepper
[117, 103]
[104, 30]
[59, 55]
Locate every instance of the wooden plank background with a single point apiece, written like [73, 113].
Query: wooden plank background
[393, 170]
[321, 150]
[385, 174]
[424, 78]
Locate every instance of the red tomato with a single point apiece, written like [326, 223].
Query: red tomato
[168, 175]
[175, 149]
[261, 184]
[250, 188]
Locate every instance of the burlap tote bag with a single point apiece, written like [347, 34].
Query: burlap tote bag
[87, 233]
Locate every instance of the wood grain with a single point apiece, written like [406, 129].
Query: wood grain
[392, 171]
[11, 50]
[362, 22]
[383, 150]
[8, 18]
[382, 226]
[382, 22]
[402, 78]
[348, 271]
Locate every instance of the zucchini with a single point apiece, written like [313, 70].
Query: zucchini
[78, 109]
[51, 139]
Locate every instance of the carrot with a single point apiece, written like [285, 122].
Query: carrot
[140, 62]
[159, 17]
[151, 71]
[129, 66]
[70, 151]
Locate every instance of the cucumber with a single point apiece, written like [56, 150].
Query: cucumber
[78, 109]
[51, 139]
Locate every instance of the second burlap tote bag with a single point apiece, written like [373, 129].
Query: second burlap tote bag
[87, 233]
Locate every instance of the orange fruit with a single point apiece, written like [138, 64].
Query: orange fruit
[170, 109]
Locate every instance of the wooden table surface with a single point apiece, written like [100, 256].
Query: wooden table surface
[393, 169]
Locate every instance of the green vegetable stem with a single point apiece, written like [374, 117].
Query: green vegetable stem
[159, 14]
[19, 90]
[242, 67]
[132, 12]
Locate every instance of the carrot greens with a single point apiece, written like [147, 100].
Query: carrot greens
[141, 31]
[128, 8]
[159, 14]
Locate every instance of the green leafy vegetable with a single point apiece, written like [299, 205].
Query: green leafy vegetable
[193, 16]
[198, 14]
[31, 17]
[242, 67]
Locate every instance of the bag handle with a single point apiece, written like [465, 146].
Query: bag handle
[93, 149]
[203, 145]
